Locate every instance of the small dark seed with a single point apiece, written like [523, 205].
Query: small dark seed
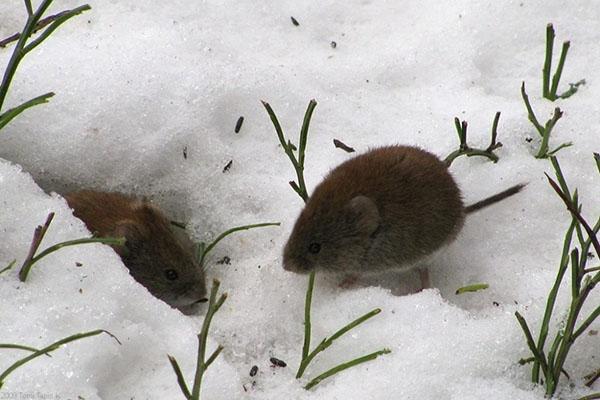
[343, 146]
[225, 260]
[185, 153]
[78, 264]
[228, 166]
[333, 44]
[253, 370]
[496, 303]
[294, 21]
[238, 124]
[277, 362]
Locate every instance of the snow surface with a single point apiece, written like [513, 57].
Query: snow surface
[137, 82]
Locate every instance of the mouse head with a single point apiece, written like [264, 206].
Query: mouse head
[331, 235]
[158, 260]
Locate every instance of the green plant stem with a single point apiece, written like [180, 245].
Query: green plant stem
[325, 343]
[26, 267]
[587, 322]
[345, 366]
[564, 261]
[530, 114]
[28, 6]
[61, 19]
[548, 61]
[465, 150]
[298, 163]
[576, 214]
[543, 152]
[307, 322]
[559, 69]
[180, 378]
[204, 250]
[591, 397]
[48, 349]
[538, 355]
[19, 347]
[201, 365]
[21, 49]
[10, 114]
[10, 265]
[472, 288]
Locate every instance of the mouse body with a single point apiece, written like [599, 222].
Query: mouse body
[158, 259]
[389, 208]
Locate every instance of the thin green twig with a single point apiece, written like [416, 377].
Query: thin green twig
[38, 236]
[550, 91]
[325, 343]
[10, 114]
[202, 363]
[465, 150]
[472, 288]
[10, 265]
[544, 131]
[19, 347]
[48, 349]
[204, 249]
[22, 48]
[307, 322]
[345, 366]
[298, 163]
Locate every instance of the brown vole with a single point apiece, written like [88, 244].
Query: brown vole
[385, 209]
[155, 257]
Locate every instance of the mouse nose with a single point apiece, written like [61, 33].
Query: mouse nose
[299, 265]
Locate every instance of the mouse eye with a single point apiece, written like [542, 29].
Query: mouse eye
[314, 248]
[171, 274]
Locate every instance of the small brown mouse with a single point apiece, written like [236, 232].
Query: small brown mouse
[388, 208]
[155, 257]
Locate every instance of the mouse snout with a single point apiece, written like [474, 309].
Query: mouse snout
[299, 265]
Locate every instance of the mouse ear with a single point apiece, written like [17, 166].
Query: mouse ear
[132, 234]
[366, 214]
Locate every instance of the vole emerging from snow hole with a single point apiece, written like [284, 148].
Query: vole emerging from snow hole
[154, 255]
[388, 208]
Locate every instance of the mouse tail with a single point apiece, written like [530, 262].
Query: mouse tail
[494, 199]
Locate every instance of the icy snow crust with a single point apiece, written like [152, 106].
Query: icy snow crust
[137, 82]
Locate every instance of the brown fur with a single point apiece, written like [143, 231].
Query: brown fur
[152, 253]
[387, 208]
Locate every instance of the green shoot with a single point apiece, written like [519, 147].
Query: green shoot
[549, 362]
[202, 363]
[472, 288]
[19, 347]
[300, 188]
[344, 366]
[545, 130]
[10, 265]
[38, 235]
[36, 353]
[465, 150]
[23, 47]
[297, 162]
[548, 90]
[202, 249]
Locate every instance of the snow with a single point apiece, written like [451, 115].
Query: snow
[137, 83]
